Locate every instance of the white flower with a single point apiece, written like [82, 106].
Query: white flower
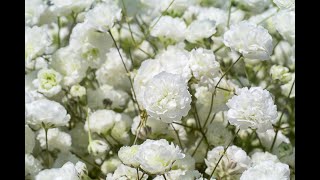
[267, 170]
[47, 112]
[157, 156]
[101, 121]
[167, 97]
[218, 134]
[48, 82]
[281, 73]
[32, 165]
[256, 6]
[112, 72]
[284, 22]
[69, 64]
[253, 108]
[36, 42]
[124, 172]
[126, 155]
[56, 139]
[29, 139]
[148, 69]
[64, 7]
[33, 10]
[117, 97]
[103, 16]
[285, 4]
[98, 147]
[169, 28]
[121, 129]
[91, 45]
[204, 66]
[200, 29]
[259, 157]
[267, 137]
[254, 42]
[67, 172]
[233, 163]
[77, 91]
[214, 14]
[175, 60]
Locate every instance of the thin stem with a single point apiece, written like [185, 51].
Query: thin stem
[177, 135]
[164, 176]
[137, 132]
[125, 67]
[183, 125]
[215, 88]
[195, 150]
[225, 150]
[279, 123]
[125, 14]
[137, 167]
[47, 147]
[59, 28]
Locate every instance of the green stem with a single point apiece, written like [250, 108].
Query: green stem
[225, 150]
[177, 135]
[229, 14]
[279, 123]
[59, 28]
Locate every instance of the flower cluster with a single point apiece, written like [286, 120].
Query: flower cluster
[159, 89]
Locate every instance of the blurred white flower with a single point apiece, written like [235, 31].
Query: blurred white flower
[252, 41]
[103, 16]
[267, 170]
[56, 139]
[200, 29]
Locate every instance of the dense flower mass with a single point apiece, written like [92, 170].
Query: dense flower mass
[253, 108]
[159, 89]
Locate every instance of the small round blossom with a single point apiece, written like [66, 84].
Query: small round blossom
[47, 112]
[253, 108]
[148, 69]
[284, 22]
[48, 82]
[252, 41]
[281, 73]
[267, 170]
[232, 164]
[33, 10]
[32, 165]
[56, 139]
[101, 121]
[117, 97]
[126, 155]
[36, 42]
[68, 63]
[29, 139]
[67, 172]
[157, 156]
[167, 97]
[285, 4]
[77, 91]
[169, 28]
[175, 60]
[98, 147]
[204, 66]
[200, 29]
[112, 72]
[103, 16]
